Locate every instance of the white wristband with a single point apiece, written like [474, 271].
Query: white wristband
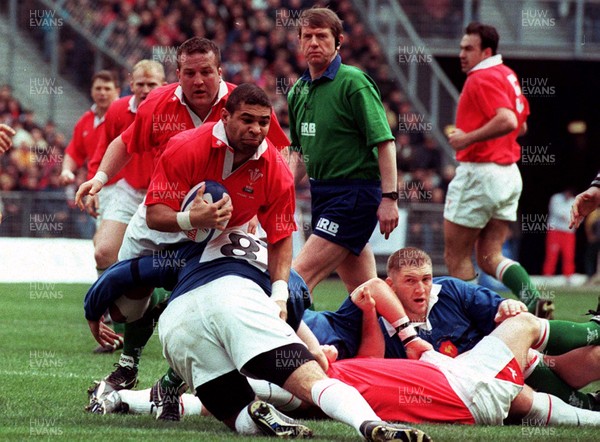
[184, 221]
[407, 332]
[101, 176]
[279, 290]
[403, 320]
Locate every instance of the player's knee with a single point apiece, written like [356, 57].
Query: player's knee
[105, 255]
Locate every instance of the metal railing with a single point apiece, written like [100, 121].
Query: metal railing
[43, 214]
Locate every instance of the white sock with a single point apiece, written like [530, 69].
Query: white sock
[342, 402]
[474, 279]
[550, 410]
[138, 401]
[189, 405]
[275, 395]
[244, 423]
[502, 266]
[541, 343]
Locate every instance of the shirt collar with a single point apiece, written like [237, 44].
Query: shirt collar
[330, 72]
[489, 62]
[97, 120]
[433, 298]
[223, 90]
[131, 105]
[220, 140]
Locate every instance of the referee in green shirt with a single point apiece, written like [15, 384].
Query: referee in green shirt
[340, 138]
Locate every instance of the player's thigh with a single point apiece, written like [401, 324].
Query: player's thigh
[317, 259]
[459, 240]
[109, 236]
[355, 270]
[189, 341]
[489, 244]
[577, 367]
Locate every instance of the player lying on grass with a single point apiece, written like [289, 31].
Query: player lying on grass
[453, 316]
[482, 386]
[220, 322]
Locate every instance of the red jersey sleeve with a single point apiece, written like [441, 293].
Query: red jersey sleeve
[277, 216]
[172, 176]
[494, 97]
[76, 147]
[138, 136]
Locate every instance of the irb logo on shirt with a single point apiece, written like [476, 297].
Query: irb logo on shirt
[324, 225]
[308, 129]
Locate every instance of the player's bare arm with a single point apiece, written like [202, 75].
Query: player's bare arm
[67, 175]
[202, 215]
[296, 163]
[387, 213]
[279, 264]
[313, 345]
[585, 203]
[6, 134]
[372, 343]
[115, 158]
[504, 122]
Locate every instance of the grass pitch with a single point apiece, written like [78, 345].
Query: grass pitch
[46, 365]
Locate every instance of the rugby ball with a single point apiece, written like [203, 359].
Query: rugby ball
[213, 192]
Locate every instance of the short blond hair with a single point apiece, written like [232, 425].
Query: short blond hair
[407, 257]
[147, 66]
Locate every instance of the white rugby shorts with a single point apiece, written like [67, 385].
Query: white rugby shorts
[140, 240]
[219, 327]
[487, 378]
[483, 191]
[123, 202]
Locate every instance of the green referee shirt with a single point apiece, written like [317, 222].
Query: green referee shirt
[336, 122]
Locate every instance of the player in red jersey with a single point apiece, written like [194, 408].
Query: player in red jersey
[86, 133]
[483, 197]
[236, 153]
[197, 98]
[132, 181]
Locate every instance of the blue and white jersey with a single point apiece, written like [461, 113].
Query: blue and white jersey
[460, 315]
[185, 267]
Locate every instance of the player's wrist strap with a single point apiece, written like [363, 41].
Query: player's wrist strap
[183, 221]
[401, 323]
[101, 176]
[279, 290]
[596, 182]
[407, 334]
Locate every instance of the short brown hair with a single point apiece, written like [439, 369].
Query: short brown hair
[106, 75]
[407, 257]
[321, 18]
[488, 35]
[198, 45]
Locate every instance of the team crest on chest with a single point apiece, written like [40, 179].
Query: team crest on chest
[253, 176]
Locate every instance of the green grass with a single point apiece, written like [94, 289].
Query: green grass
[46, 365]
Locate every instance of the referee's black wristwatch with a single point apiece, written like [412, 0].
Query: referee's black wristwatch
[390, 195]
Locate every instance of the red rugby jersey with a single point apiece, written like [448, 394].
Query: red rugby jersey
[262, 186]
[489, 86]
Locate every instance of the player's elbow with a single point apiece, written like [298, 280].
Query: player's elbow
[507, 121]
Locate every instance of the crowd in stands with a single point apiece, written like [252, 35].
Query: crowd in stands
[259, 45]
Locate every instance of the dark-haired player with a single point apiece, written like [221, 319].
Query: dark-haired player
[483, 197]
